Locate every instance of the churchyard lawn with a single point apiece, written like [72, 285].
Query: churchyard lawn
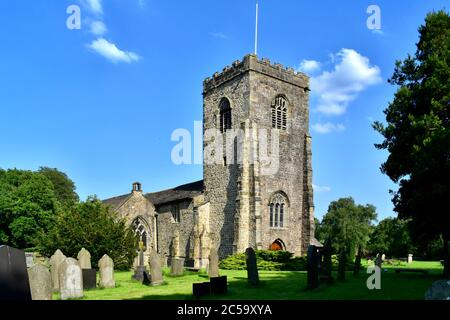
[280, 286]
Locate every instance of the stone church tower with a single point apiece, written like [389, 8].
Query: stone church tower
[257, 185]
[252, 205]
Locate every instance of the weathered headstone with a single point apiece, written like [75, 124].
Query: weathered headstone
[410, 258]
[40, 282]
[312, 267]
[177, 267]
[156, 274]
[213, 265]
[252, 267]
[106, 266]
[14, 283]
[55, 260]
[84, 259]
[70, 279]
[140, 271]
[327, 265]
[440, 290]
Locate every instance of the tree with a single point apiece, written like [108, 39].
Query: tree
[348, 225]
[92, 226]
[28, 206]
[391, 237]
[63, 186]
[417, 134]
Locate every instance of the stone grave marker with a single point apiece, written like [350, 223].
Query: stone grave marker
[55, 260]
[313, 267]
[84, 259]
[106, 266]
[70, 279]
[40, 282]
[89, 274]
[252, 267]
[219, 285]
[177, 267]
[14, 284]
[156, 274]
[213, 265]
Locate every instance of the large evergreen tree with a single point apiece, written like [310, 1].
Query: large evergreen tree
[417, 133]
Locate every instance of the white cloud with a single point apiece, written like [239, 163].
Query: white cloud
[321, 188]
[351, 75]
[98, 28]
[111, 52]
[328, 127]
[95, 6]
[309, 66]
[218, 35]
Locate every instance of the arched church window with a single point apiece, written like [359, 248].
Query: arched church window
[279, 113]
[141, 230]
[277, 210]
[225, 115]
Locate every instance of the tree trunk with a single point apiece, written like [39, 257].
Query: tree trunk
[357, 262]
[341, 267]
[446, 256]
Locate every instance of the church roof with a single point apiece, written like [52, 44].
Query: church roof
[186, 191]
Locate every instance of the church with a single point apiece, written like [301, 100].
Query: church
[239, 203]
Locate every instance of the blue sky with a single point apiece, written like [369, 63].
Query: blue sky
[101, 103]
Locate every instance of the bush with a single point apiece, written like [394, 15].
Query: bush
[266, 261]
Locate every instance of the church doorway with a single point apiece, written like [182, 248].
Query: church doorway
[278, 245]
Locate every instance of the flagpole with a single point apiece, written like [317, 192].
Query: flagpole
[256, 28]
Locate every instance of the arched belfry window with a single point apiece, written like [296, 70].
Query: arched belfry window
[279, 113]
[225, 115]
[277, 210]
[141, 229]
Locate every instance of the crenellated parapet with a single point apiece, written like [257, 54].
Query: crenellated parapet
[263, 66]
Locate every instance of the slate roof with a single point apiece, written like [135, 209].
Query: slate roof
[186, 191]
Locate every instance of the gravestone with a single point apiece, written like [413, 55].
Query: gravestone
[84, 259]
[140, 271]
[213, 265]
[177, 267]
[219, 285]
[252, 267]
[55, 260]
[89, 274]
[156, 274]
[410, 258]
[313, 267]
[70, 279]
[201, 289]
[440, 290]
[106, 266]
[327, 265]
[14, 284]
[40, 282]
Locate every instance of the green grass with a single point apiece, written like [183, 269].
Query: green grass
[278, 285]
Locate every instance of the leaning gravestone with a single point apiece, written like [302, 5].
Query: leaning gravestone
[312, 267]
[252, 267]
[106, 266]
[14, 283]
[40, 282]
[55, 260]
[177, 267]
[213, 265]
[156, 274]
[89, 274]
[70, 279]
[440, 290]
